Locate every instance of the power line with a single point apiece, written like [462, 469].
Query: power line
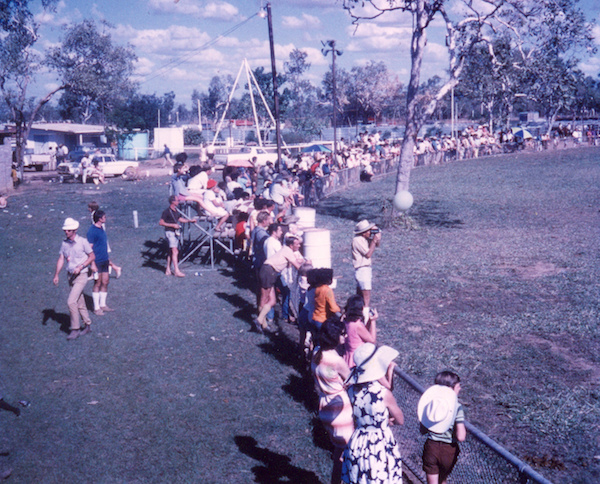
[177, 61]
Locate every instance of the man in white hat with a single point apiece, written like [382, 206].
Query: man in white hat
[366, 239]
[78, 254]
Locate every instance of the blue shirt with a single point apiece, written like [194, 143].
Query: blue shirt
[97, 237]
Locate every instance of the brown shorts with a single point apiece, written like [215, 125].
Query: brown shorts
[439, 458]
[267, 276]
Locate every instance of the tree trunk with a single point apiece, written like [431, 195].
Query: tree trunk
[22, 128]
[552, 120]
[417, 48]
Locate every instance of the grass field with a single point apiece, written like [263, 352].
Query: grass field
[499, 282]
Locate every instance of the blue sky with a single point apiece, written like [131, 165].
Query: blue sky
[182, 44]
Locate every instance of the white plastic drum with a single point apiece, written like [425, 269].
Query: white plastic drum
[317, 247]
[306, 216]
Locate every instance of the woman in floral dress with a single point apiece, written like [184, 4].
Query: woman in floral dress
[372, 455]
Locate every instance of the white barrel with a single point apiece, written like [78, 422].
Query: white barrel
[317, 247]
[306, 216]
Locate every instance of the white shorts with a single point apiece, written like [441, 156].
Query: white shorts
[172, 238]
[364, 277]
[219, 212]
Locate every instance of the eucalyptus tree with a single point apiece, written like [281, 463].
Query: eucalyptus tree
[141, 111]
[299, 95]
[95, 72]
[370, 86]
[19, 64]
[493, 81]
[86, 64]
[530, 24]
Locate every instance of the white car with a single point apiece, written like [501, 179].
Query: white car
[110, 166]
[107, 163]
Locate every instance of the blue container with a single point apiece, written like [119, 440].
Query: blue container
[134, 146]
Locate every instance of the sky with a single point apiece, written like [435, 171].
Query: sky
[182, 44]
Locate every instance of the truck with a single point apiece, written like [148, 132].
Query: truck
[247, 153]
[39, 161]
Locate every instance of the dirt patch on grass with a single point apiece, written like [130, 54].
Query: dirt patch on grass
[539, 269]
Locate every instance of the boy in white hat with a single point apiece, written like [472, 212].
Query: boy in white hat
[77, 252]
[442, 420]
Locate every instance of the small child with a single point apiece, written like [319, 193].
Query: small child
[442, 420]
[306, 308]
[357, 331]
[325, 304]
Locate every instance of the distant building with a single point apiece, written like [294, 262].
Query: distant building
[72, 135]
[529, 117]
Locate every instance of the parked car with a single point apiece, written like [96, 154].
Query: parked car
[110, 166]
[246, 153]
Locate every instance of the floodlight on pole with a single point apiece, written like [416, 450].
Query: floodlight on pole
[267, 12]
[329, 46]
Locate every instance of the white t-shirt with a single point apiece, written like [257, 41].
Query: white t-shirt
[272, 246]
[197, 184]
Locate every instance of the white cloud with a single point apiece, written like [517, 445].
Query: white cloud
[97, 13]
[45, 17]
[436, 53]
[306, 22]
[596, 33]
[327, 4]
[56, 17]
[315, 57]
[144, 66]
[212, 10]
[220, 11]
[51, 86]
[377, 38]
[173, 40]
[188, 7]
[459, 8]
[591, 66]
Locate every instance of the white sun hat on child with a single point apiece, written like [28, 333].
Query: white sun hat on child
[437, 408]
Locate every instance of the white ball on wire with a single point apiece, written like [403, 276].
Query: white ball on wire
[403, 200]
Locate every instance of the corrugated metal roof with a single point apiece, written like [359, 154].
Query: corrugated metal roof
[71, 128]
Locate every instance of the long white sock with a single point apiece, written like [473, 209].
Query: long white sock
[96, 299]
[103, 299]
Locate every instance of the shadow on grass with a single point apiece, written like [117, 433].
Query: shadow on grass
[154, 251]
[350, 209]
[429, 213]
[61, 318]
[433, 213]
[275, 468]
[243, 276]
[285, 351]
[245, 310]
